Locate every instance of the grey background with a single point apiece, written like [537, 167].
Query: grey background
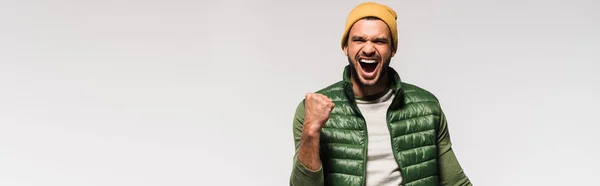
[186, 92]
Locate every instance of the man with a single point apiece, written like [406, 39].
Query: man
[371, 128]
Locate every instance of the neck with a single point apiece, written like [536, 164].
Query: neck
[361, 91]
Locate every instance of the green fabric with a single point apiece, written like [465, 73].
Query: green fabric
[418, 129]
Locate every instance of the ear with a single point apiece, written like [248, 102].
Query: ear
[393, 53]
[346, 49]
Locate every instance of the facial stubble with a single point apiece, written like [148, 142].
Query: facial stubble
[354, 72]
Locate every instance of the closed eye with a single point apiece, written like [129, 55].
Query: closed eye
[358, 39]
[380, 41]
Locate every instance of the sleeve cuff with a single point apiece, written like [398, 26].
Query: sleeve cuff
[304, 176]
[307, 172]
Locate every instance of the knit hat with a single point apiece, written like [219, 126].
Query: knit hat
[371, 9]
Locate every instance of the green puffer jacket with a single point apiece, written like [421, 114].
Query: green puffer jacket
[419, 134]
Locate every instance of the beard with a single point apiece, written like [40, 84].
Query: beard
[354, 72]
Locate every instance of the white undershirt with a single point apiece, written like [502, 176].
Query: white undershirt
[382, 169]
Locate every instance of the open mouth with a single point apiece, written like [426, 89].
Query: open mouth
[368, 65]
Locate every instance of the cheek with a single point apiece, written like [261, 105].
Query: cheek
[353, 51]
[384, 51]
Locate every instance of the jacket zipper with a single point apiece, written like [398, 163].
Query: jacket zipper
[366, 145]
[394, 152]
[366, 148]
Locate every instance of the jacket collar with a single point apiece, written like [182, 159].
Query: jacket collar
[396, 86]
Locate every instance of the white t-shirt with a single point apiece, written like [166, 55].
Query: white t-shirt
[382, 169]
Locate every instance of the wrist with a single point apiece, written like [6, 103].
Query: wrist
[311, 132]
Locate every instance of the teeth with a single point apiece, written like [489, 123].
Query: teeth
[368, 61]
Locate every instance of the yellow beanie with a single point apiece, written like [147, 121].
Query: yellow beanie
[371, 9]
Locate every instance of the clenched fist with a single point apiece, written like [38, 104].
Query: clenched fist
[317, 108]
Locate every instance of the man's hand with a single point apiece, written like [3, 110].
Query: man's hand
[317, 109]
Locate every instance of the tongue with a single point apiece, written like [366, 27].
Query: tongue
[368, 67]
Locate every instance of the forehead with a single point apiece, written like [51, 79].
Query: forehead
[370, 28]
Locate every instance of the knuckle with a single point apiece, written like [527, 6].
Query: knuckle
[310, 96]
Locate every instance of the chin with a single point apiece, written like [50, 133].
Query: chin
[368, 83]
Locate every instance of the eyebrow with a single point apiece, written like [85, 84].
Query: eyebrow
[381, 39]
[357, 37]
[378, 39]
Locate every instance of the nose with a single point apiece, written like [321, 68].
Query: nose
[368, 49]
